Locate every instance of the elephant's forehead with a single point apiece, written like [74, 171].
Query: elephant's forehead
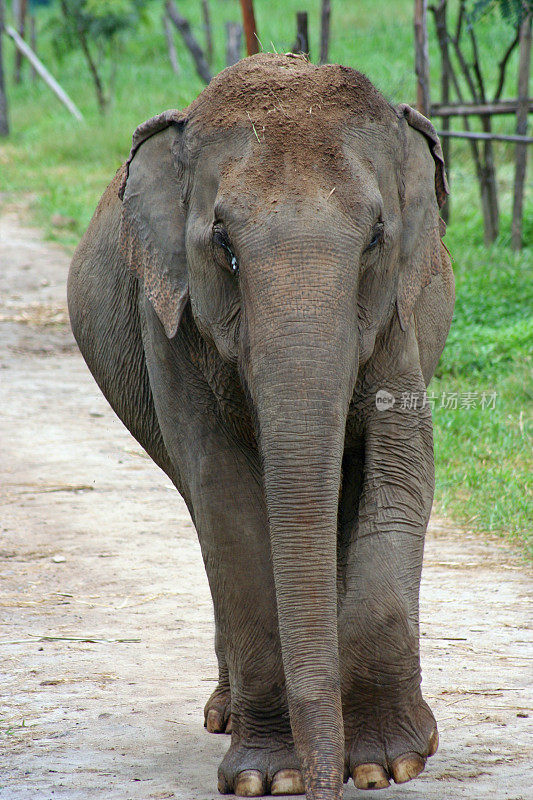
[277, 126]
[251, 190]
[297, 164]
[300, 167]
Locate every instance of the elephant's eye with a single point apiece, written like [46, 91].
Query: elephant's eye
[377, 233]
[221, 240]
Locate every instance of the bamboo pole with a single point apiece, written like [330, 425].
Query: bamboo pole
[521, 130]
[43, 72]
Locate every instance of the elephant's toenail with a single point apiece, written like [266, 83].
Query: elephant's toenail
[213, 721]
[370, 776]
[223, 787]
[249, 783]
[287, 781]
[433, 743]
[406, 767]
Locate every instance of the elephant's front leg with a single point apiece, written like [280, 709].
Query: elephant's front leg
[389, 729]
[231, 520]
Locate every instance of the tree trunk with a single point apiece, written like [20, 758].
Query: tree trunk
[98, 85]
[91, 63]
[194, 48]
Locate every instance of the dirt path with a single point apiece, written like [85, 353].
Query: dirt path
[95, 543]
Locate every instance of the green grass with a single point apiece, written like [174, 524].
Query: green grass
[61, 166]
[483, 455]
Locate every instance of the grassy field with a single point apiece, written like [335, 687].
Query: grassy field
[483, 446]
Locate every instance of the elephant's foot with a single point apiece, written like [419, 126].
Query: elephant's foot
[254, 771]
[389, 743]
[217, 710]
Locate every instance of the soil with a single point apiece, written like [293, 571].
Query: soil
[106, 640]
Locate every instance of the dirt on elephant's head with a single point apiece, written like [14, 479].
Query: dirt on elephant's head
[273, 86]
[288, 103]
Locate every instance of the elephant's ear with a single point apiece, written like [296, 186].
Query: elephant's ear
[420, 123]
[153, 217]
[425, 190]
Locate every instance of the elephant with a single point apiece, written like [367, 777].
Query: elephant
[261, 286]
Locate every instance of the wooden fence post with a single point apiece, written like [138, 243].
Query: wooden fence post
[4, 121]
[324, 31]
[423, 102]
[521, 130]
[250, 29]
[302, 33]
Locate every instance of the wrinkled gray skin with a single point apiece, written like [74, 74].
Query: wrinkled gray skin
[255, 393]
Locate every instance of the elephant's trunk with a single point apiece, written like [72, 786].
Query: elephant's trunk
[301, 375]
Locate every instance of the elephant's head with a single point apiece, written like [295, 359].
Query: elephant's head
[296, 210]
